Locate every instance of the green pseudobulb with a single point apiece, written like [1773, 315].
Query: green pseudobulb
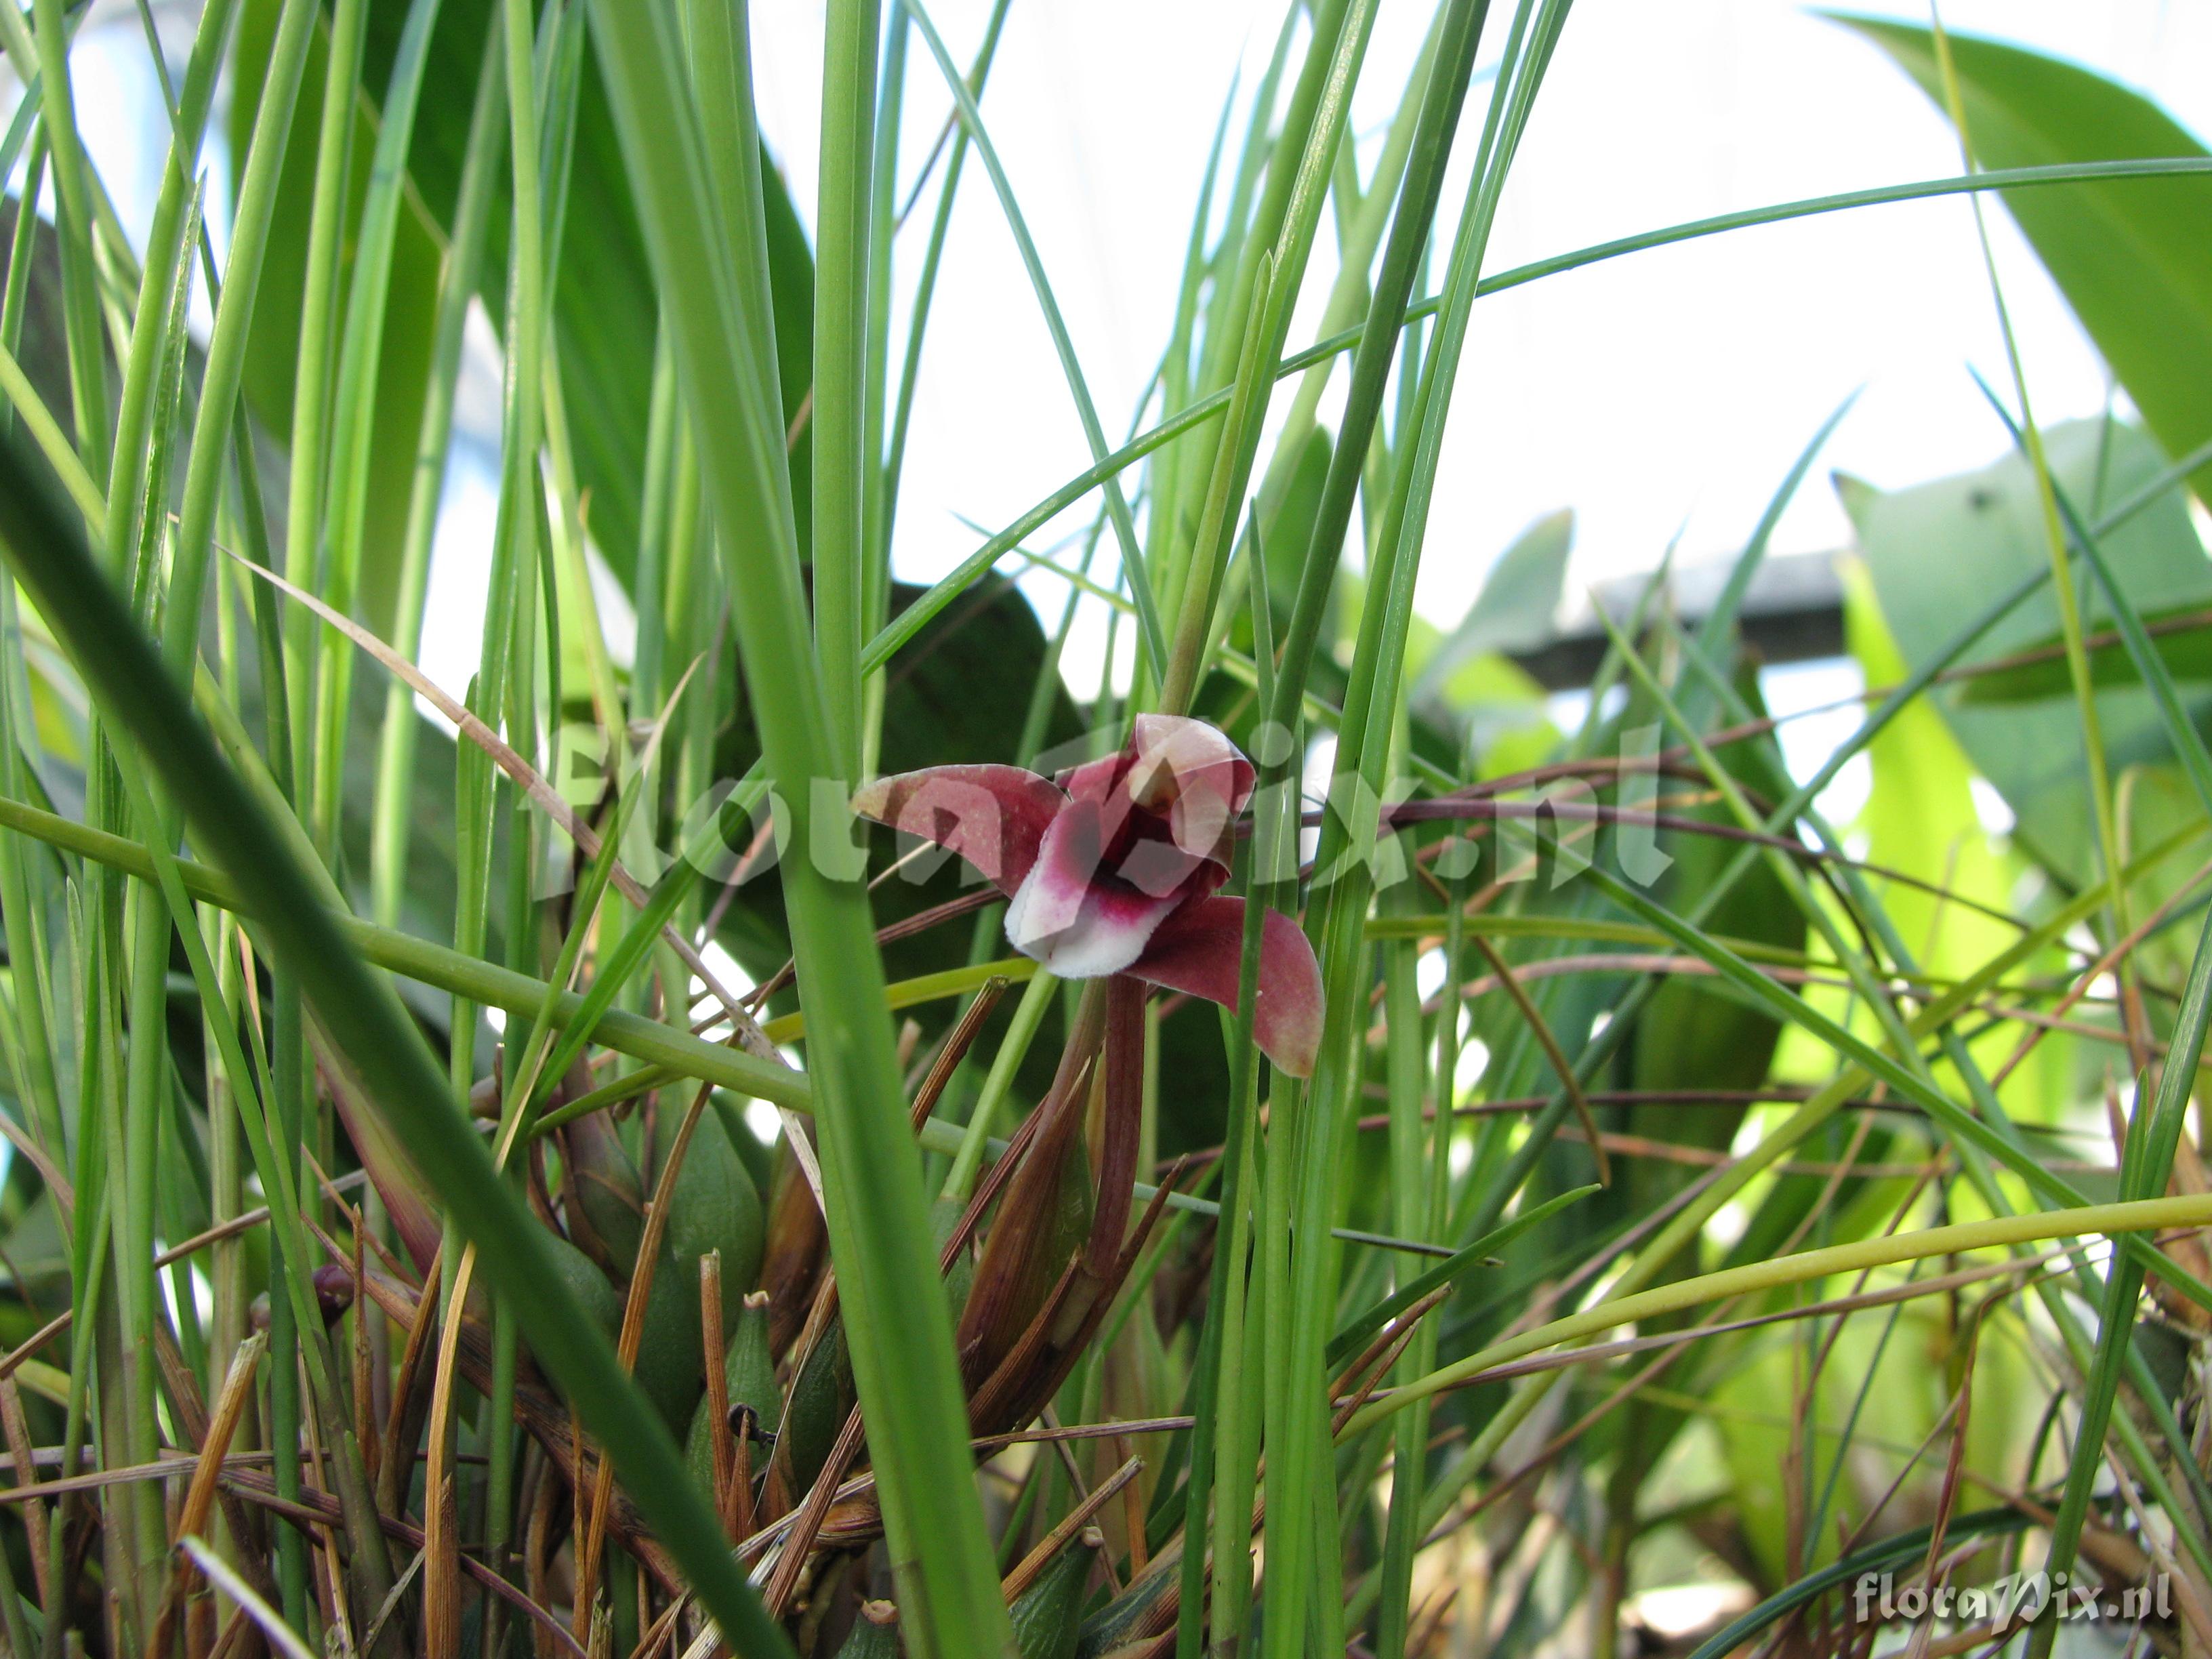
[748, 1371]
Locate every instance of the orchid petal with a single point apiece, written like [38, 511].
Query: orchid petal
[1076, 925]
[994, 816]
[1161, 869]
[1094, 780]
[1196, 774]
[1199, 951]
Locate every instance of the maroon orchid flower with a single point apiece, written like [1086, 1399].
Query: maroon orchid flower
[1116, 868]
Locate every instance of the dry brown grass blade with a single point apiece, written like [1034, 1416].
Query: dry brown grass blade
[393, 1603]
[757, 1543]
[954, 1049]
[363, 1380]
[1072, 1465]
[1027, 1568]
[364, 1239]
[717, 1379]
[37, 1339]
[339, 1556]
[1117, 1429]
[2088, 975]
[442, 1571]
[1372, 1366]
[537, 1410]
[318, 1510]
[736, 1494]
[236, 1631]
[662, 1629]
[161, 1468]
[538, 1547]
[1429, 1626]
[593, 1543]
[806, 1524]
[281, 1636]
[193, 1419]
[11, 1362]
[199, 1626]
[1018, 1387]
[34, 1155]
[1018, 1377]
[1133, 1521]
[410, 1398]
[199, 1497]
[26, 1471]
[1959, 1418]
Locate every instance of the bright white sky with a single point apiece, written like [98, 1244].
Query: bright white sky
[1669, 391]
[1666, 392]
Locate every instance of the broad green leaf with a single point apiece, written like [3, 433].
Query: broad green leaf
[1920, 818]
[1691, 1035]
[42, 351]
[1516, 608]
[1938, 551]
[411, 307]
[604, 306]
[1907, 1390]
[1501, 713]
[958, 693]
[2133, 257]
[1288, 501]
[2186, 648]
[2159, 801]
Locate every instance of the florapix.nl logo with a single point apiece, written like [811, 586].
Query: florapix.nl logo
[1546, 828]
[2018, 1598]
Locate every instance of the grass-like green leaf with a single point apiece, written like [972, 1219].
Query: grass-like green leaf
[368, 1023]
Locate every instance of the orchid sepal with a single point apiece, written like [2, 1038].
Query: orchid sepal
[1200, 951]
[993, 817]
